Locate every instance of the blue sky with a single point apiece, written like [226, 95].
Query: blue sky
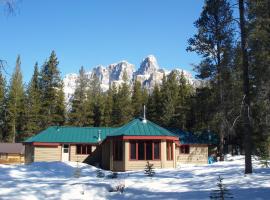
[93, 32]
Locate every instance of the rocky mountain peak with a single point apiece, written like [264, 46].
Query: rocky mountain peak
[148, 66]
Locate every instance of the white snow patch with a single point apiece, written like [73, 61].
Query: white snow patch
[56, 180]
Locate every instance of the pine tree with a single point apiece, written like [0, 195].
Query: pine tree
[108, 109]
[182, 107]
[246, 90]
[169, 95]
[122, 108]
[222, 192]
[53, 108]
[95, 102]
[2, 106]
[78, 111]
[259, 57]
[154, 105]
[33, 105]
[15, 104]
[149, 170]
[214, 42]
[137, 99]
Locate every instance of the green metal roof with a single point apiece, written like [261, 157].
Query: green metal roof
[71, 134]
[203, 137]
[138, 127]
[64, 134]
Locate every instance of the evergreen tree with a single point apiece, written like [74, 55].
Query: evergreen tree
[259, 53]
[222, 192]
[108, 109]
[137, 99]
[95, 102]
[53, 108]
[2, 106]
[78, 111]
[169, 94]
[182, 107]
[15, 104]
[246, 89]
[214, 42]
[122, 108]
[154, 105]
[33, 105]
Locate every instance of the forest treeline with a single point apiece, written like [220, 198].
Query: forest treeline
[217, 104]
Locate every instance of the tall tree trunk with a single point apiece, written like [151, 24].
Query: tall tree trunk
[246, 113]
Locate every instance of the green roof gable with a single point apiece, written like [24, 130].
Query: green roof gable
[139, 127]
[71, 134]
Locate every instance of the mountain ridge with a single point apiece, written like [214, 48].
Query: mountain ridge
[149, 74]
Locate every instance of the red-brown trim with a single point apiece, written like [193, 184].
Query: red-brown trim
[144, 145]
[143, 137]
[43, 144]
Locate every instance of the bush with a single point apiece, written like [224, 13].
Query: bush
[149, 170]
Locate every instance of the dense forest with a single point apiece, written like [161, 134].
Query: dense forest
[233, 99]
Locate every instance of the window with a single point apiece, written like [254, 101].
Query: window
[118, 150]
[184, 149]
[133, 150]
[156, 150]
[144, 150]
[169, 150]
[141, 150]
[83, 149]
[149, 150]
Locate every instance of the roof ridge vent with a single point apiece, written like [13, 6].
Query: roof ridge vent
[144, 115]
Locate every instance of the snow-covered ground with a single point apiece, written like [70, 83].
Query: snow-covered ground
[56, 180]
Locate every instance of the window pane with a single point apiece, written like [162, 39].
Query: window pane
[132, 150]
[89, 150]
[78, 149]
[149, 151]
[83, 149]
[141, 150]
[187, 149]
[120, 152]
[156, 150]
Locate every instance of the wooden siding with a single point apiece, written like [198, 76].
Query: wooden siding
[47, 154]
[105, 155]
[6, 158]
[197, 155]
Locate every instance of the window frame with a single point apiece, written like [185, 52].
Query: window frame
[86, 146]
[144, 150]
[184, 149]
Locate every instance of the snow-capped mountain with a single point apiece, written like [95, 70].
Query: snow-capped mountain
[149, 74]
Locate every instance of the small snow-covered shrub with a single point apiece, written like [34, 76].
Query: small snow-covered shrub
[100, 173]
[222, 192]
[113, 175]
[149, 169]
[118, 188]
